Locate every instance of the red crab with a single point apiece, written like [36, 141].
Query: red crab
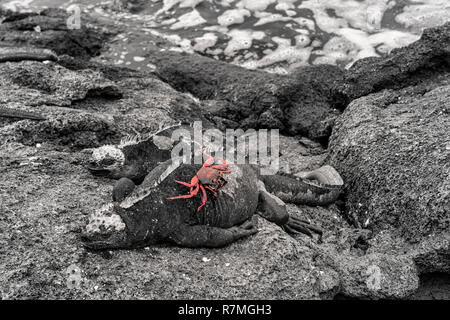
[208, 177]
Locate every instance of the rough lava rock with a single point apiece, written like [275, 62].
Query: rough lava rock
[298, 104]
[308, 100]
[51, 84]
[85, 109]
[422, 61]
[48, 29]
[393, 150]
[47, 193]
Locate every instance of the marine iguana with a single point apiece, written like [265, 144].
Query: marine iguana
[134, 157]
[146, 216]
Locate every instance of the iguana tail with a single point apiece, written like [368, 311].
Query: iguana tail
[319, 187]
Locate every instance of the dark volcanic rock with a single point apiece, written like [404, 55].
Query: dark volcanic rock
[78, 131]
[306, 101]
[44, 172]
[433, 286]
[51, 84]
[393, 150]
[419, 62]
[83, 108]
[110, 72]
[298, 104]
[21, 30]
[26, 53]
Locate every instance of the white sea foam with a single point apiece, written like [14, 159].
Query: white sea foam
[267, 17]
[425, 13]
[17, 5]
[297, 55]
[187, 20]
[255, 5]
[204, 42]
[169, 4]
[241, 39]
[234, 16]
[285, 5]
[277, 35]
[348, 13]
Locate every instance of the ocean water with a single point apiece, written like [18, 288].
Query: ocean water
[274, 35]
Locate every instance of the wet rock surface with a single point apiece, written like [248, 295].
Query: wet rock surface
[308, 100]
[421, 63]
[390, 147]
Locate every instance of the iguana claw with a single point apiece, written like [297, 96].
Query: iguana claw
[296, 226]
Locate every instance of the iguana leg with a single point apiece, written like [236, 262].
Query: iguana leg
[274, 209]
[213, 237]
[122, 189]
[271, 207]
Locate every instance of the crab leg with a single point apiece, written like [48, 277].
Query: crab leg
[184, 183]
[194, 189]
[204, 198]
[194, 181]
[182, 197]
[224, 163]
[209, 161]
[220, 168]
[193, 192]
[212, 190]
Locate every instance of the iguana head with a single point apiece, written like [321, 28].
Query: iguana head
[107, 161]
[135, 219]
[105, 230]
[132, 159]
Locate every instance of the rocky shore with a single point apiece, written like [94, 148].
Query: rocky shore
[383, 124]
